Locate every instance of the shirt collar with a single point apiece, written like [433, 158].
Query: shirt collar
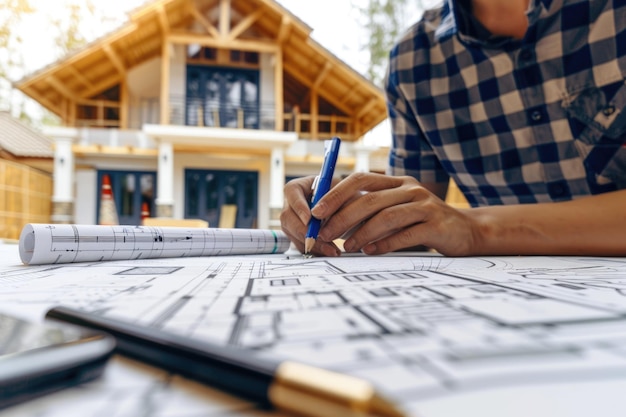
[456, 19]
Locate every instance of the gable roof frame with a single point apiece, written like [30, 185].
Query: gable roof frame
[104, 62]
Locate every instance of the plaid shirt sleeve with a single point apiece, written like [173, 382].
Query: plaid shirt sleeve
[410, 154]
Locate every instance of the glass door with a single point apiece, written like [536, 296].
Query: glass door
[223, 198]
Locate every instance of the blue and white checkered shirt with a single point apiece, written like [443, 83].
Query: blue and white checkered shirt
[513, 121]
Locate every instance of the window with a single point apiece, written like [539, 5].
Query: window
[222, 97]
[227, 198]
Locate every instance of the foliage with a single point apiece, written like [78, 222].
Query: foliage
[383, 22]
[77, 24]
[71, 31]
[12, 13]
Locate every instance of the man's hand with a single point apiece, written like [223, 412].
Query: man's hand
[390, 214]
[382, 214]
[295, 216]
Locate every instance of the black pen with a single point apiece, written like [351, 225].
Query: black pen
[295, 387]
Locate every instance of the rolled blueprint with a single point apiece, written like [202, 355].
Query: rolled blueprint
[65, 243]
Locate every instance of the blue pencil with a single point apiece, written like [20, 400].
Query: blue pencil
[321, 185]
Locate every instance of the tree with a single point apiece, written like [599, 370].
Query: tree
[383, 22]
[78, 23]
[72, 29]
[12, 14]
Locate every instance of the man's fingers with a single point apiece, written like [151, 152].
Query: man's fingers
[297, 195]
[393, 223]
[347, 188]
[372, 205]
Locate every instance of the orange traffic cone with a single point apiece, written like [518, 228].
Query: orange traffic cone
[145, 211]
[108, 212]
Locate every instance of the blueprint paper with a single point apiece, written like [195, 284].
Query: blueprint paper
[492, 336]
[63, 243]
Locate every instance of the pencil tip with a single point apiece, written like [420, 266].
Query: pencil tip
[309, 242]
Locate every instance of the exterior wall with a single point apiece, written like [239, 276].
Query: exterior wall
[86, 196]
[25, 195]
[178, 89]
[143, 84]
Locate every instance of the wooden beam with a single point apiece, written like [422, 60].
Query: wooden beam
[61, 88]
[318, 80]
[113, 150]
[203, 20]
[351, 91]
[315, 112]
[64, 110]
[296, 72]
[245, 24]
[285, 29]
[163, 20]
[115, 58]
[72, 116]
[102, 85]
[52, 106]
[165, 82]
[80, 77]
[278, 91]
[124, 105]
[244, 45]
[365, 108]
[98, 102]
[224, 17]
[322, 75]
[356, 127]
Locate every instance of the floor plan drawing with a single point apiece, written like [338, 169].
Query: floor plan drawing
[423, 328]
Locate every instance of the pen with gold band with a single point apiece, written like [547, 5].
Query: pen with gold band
[291, 386]
[321, 185]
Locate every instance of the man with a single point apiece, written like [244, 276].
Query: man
[523, 104]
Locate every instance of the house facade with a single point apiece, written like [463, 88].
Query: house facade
[200, 109]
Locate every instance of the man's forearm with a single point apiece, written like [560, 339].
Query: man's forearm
[593, 225]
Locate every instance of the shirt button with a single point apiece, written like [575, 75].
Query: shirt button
[536, 116]
[608, 110]
[525, 54]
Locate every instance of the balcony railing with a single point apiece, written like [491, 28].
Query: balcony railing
[207, 113]
[97, 113]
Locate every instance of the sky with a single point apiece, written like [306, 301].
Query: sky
[338, 31]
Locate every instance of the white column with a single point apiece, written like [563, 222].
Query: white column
[63, 197]
[63, 191]
[165, 181]
[277, 183]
